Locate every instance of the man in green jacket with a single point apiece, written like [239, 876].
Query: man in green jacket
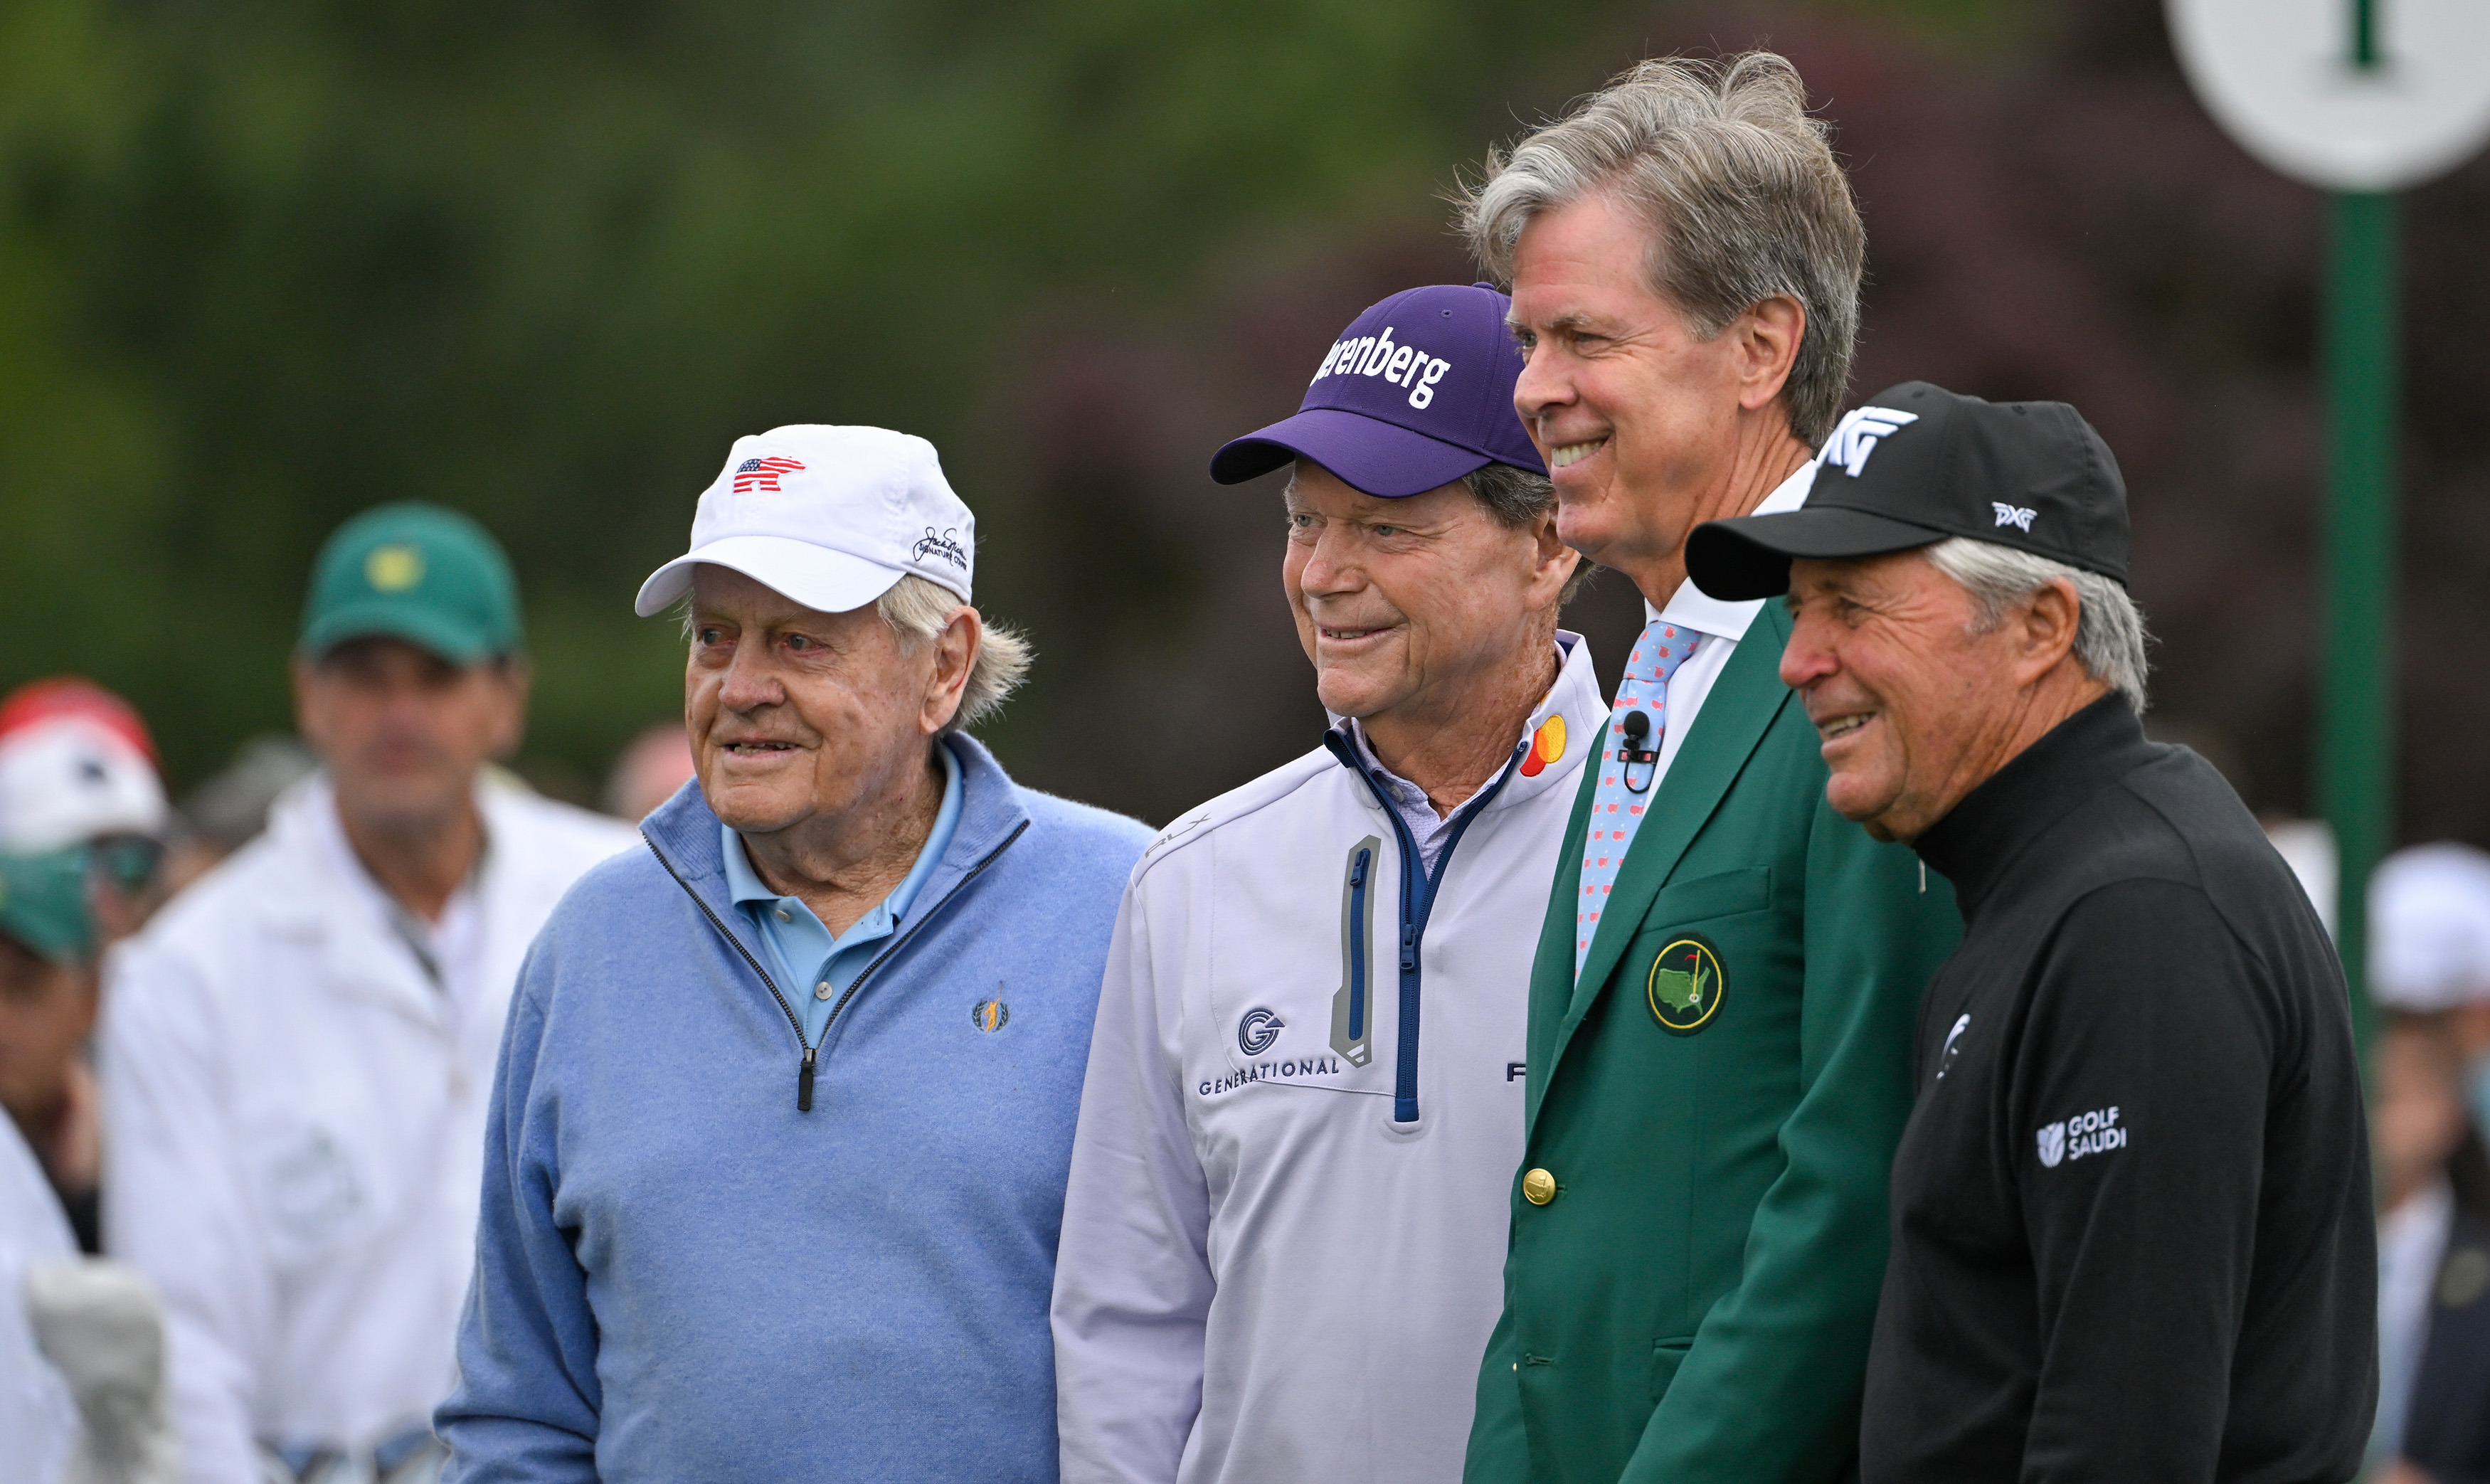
[1722, 999]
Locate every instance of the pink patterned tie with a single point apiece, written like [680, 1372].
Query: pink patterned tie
[1628, 769]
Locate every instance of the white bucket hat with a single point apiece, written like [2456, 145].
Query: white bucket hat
[829, 516]
[2429, 927]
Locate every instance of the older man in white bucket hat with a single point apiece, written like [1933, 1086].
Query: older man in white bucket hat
[779, 1140]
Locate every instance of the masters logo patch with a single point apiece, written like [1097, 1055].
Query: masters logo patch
[1686, 986]
[393, 568]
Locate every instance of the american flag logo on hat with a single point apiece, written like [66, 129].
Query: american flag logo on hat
[761, 473]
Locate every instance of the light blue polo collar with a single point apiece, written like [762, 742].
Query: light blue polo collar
[744, 886]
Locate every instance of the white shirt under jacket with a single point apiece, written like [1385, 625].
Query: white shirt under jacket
[1262, 1275]
[1724, 626]
[295, 1118]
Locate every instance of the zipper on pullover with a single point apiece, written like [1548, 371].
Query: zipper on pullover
[805, 1065]
[1418, 887]
[1351, 1016]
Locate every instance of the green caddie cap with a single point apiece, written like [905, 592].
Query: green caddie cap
[43, 904]
[416, 572]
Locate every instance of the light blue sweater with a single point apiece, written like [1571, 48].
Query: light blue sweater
[635, 1314]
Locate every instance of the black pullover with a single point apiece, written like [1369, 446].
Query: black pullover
[2131, 1217]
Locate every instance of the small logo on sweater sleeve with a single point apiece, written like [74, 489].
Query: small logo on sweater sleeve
[2098, 1132]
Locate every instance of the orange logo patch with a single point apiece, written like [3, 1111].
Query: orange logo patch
[1547, 745]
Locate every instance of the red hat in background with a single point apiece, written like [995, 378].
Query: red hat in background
[69, 695]
[75, 763]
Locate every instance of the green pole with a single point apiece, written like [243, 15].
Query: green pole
[2356, 750]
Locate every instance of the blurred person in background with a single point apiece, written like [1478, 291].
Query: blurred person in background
[77, 784]
[2131, 1233]
[50, 947]
[657, 763]
[230, 809]
[1721, 1008]
[78, 765]
[2433, 1422]
[2429, 973]
[2429, 948]
[778, 1139]
[1323, 1317]
[81, 1341]
[38, 1423]
[297, 1051]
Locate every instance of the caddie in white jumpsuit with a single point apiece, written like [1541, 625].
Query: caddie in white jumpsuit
[1284, 1235]
[299, 1049]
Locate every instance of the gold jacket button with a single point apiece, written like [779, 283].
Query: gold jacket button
[1539, 1187]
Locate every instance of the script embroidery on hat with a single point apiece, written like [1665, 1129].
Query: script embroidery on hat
[1375, 355]
[2013, 515]
[1856, 435]
[761, 473]
[945, 545]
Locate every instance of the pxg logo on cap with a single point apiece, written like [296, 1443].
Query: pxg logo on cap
[1415, 393]
[1920, 464]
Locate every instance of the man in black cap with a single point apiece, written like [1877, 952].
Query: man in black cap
[2131, 1208]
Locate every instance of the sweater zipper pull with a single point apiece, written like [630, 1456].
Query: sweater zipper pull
[805, 1083]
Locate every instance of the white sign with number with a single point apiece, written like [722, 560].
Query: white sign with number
[2283, 77]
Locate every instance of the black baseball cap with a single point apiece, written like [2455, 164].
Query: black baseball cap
[1920, 464]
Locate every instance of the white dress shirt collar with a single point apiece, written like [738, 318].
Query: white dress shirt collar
[1690, 607]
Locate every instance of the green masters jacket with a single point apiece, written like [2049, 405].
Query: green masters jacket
[1700, 1223]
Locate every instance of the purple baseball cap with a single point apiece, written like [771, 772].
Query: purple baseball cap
[1416, 392]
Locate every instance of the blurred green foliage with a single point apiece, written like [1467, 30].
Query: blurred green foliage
[264, 264]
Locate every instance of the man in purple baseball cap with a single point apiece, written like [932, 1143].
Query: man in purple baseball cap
[1286, 1226]
[1417, 394]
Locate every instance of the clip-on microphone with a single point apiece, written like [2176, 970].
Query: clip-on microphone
[1637, 726]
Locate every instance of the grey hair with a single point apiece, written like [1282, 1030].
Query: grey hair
[1515, 496]
[1737, 188]
[2109, 629]
[1519, 500]
[917, 609]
